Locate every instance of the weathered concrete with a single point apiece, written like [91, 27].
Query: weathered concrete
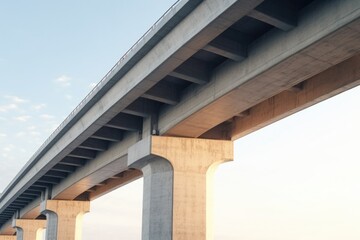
[332, 81]
[177, 185]
[7, 237]
[64, 218]
[29, 229]
[327, 33]
[206, 22]
[7, 228]
[157, 198]
[107, 164]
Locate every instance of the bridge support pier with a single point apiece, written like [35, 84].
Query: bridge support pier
[29, 229]
[7, 237]
[177, 185]
[64, 218]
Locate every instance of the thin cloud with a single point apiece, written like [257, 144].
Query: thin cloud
[16, 99]
[23, 118]
[63, 81]
[8, 148]
[6, 108]
[3, 134]
[46, 117]
[39, 106]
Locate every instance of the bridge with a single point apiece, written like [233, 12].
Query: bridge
[207, 73]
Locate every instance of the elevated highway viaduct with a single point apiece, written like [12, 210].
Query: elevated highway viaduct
[207, 73]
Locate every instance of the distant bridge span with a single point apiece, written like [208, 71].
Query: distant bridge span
[207, 73]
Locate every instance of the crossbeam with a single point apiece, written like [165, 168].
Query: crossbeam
[227, 48]
[275, 13]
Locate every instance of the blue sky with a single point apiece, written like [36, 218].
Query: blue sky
[51, 55]
[297, 179]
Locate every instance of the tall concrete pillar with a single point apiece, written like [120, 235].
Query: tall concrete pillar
[64, 218]
[29, 229]
[177, 185]
[7, 237]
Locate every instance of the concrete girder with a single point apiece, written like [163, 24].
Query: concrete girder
[126, 122]
[228, 48]
[24, 198]
[64, 168]
[95, 144]
[193, 70]
[114, 183]
[56, 174]
[21, 201]
[163, 92]
[17, 204]
[73, 161]
[41, 184]
[49, 180]
[82, 153]
[32, 191]
[270, 68]
[331, 82]
[31, 210]
[142, 108]
[106, 165]
[108, 134]
[7, 229]
[324, 85]
[27, 194]
[276, 13]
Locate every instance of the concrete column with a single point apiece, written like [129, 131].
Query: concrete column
[29, 229]
[7, 237]
[177, 185]
[64, 218]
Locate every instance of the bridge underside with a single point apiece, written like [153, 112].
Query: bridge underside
[248, 64]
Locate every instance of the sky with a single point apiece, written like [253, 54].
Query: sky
[296, 179]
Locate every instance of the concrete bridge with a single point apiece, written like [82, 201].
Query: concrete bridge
[207, 73]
